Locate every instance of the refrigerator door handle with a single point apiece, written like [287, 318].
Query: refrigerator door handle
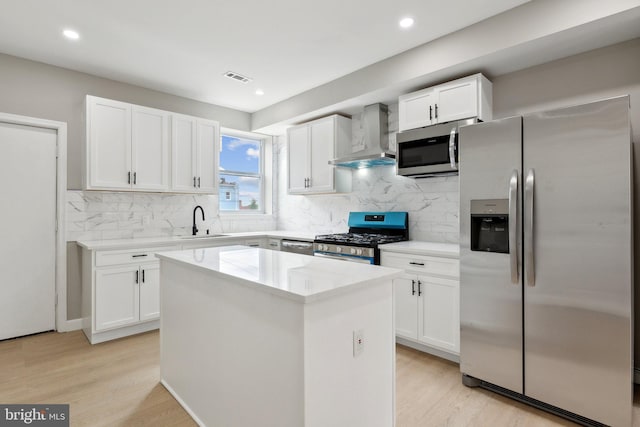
[513, 226]
[452, 147]
[528, 233]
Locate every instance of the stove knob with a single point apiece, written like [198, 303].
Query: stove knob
[353, 251]
[338, 249]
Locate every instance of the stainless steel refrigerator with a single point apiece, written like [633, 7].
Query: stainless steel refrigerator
[546, 273]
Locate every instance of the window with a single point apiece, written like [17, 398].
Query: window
[241, 174]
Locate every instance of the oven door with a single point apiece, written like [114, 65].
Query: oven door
[344, 257]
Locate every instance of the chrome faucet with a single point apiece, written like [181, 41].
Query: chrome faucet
[194, 229]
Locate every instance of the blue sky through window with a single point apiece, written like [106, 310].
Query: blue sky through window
[240, 155]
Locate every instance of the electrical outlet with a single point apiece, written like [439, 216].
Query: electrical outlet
[358, 342]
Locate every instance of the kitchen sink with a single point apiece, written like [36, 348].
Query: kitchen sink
[204, 236]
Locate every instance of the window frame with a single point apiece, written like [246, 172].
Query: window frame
[261, 175]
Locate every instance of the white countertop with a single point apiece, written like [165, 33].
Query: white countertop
[447, 250]
[298, 277]
[173, 240]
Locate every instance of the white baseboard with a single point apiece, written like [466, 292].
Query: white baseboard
[181, 402]
[426, 349]
[70, 325]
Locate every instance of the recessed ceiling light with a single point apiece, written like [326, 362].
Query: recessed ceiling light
[259, 92]
[71, 34]
[406, 22]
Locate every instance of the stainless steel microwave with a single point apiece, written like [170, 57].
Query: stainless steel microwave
[428, 151]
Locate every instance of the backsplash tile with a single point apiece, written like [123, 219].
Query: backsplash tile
[95, 215]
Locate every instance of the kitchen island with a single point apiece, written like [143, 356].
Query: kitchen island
[256, 337]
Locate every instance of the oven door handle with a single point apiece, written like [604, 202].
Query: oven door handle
[343, 258]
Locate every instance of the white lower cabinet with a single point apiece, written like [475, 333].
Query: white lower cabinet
[120, 292]
[427, 300]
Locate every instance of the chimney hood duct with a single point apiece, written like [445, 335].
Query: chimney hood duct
[376, 139]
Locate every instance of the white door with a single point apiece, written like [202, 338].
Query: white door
[150, 149]
[406, 306]
[322, 150]
[298, 143]
[439, 315]
[28, 229]
[149, 291]
[458, 101]
[109, 144]
[184, 147]
[116, 297]
[208, 148]
[416, 110]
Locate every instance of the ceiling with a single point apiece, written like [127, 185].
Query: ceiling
[183, 48]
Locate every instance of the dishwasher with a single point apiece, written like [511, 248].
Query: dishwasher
[296, 246]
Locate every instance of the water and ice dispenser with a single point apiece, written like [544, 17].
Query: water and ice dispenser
[490, 225]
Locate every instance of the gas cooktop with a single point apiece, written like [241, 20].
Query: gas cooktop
[369, 239]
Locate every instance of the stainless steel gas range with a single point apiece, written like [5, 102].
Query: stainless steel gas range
[367, 230]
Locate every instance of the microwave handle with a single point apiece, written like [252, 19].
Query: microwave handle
[452, 148]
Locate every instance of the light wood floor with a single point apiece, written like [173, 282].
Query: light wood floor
[116, 384]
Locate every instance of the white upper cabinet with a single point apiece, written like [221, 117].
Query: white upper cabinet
[195, 145]
[310, 148]
[456, 100]
[130, 147]
[108, 144]
[150, 149]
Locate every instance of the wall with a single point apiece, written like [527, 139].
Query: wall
[38, 90]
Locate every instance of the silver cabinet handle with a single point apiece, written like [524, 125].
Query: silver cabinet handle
[128, 177]
[452, 147]
[139, 255]
[513, 226]
[142, 276]
[528, 225]
[137, 276]
[413, 287]
[419, 287]
[430, 112]
[135, 177]
[417, 263]
[194, 182]
[198, 182]
[436, 109]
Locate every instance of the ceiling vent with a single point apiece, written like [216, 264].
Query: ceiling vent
[237, 77]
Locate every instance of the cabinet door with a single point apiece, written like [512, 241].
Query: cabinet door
[208, 148]
[438, 312]
[406, 306]
[298, 144]
[416, 110]
[109, 144]
[116, 297]
[322, 136]
[150, 149]
[149, 291]
[184, 149]
[457, 101]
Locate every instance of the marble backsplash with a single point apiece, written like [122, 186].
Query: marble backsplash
[96, 215]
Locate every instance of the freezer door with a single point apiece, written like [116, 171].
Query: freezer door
[490, 282]
[578, 276]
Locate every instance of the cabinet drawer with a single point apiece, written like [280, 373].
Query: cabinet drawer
[421, 264]
[128, 256]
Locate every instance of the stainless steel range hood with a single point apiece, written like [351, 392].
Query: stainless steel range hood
[376, 140]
